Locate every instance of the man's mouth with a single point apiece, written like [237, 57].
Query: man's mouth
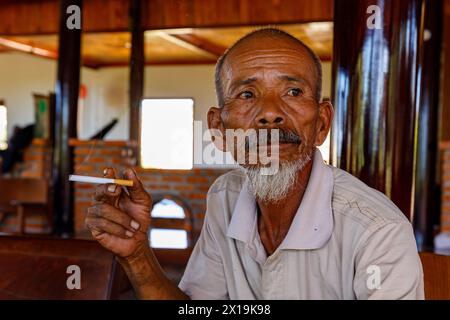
[279, 147]
[284, 139]
[286, 144]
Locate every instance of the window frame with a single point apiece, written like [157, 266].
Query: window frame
[185, 223]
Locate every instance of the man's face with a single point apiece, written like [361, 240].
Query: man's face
[270, 83]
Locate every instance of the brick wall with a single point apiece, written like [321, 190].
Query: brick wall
[445, 200]
[190, 185]
[92, 157]
[36, 161]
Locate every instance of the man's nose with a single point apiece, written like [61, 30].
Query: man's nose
[270, 115]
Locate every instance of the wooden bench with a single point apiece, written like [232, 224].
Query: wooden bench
[436, 269]
[36, 268]
[19, 195]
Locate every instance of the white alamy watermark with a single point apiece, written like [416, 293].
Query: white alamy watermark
[247, 147]
[73, 21]
[374, 279]
[74, 280]
[375, 20]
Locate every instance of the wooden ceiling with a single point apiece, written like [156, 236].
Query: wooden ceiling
[26, 17]
[179, 31]
[168, 46]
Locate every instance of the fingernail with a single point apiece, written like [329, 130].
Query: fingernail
[135, 225]
[112, 188]
[105, 172]
[129, 234]
[129, 173]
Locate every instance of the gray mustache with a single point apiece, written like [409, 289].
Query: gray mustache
[289, 137]
[284, 136]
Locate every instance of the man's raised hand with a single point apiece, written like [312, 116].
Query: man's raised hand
[120, 220]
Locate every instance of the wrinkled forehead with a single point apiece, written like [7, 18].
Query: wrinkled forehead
[263, 54]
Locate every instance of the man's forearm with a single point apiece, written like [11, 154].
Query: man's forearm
[148, 278]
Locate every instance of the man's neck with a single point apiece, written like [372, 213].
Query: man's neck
[274, 219]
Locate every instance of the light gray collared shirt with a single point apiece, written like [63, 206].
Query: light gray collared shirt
[346, 241]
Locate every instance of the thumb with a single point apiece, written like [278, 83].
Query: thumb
[137, 191]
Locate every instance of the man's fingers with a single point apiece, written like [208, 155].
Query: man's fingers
[96, 225]
[137, 191]
[95, 232]
[112, 214]
[109, 173]
[108, 193]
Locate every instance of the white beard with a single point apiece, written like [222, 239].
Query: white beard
[271, 188]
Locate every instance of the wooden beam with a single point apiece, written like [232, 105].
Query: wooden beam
[27, 48]
[24, 17]
[10, 44]
[166, 14]
[186, 45]
[67, 91]
[200, 43]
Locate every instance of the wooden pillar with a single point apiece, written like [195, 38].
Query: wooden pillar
[426, 188]
[445, 111]
[67, 90]
[137, 63]
[377, 79]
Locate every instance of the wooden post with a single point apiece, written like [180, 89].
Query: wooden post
[67, 90]
[426, 192]
[377, 80]
[137, 63]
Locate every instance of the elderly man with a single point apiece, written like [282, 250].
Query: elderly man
[309, 231]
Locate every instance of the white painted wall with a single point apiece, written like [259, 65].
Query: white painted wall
[107, 98]
[21, 75]
[107, 90]
[108, 93]
[326, 79]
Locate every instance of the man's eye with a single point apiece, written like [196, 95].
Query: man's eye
[295, 92]
[246, 95]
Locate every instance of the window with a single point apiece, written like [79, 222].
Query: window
[325, 149]
[167, 127]
[3, 126]
[168, 238]
[170, 224]
[167, 208]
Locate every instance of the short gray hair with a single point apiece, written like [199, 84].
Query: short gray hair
[274, 32]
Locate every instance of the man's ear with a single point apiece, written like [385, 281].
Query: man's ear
[326, 114]
[216, 128]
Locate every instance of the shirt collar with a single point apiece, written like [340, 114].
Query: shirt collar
[312, 225]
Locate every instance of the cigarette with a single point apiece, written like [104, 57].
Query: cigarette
[88, 179]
